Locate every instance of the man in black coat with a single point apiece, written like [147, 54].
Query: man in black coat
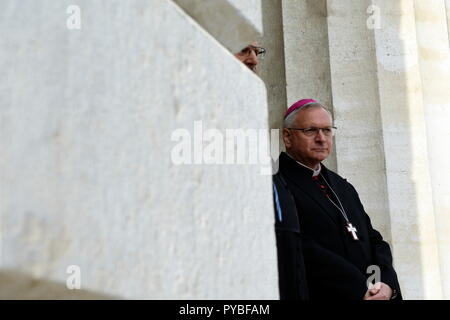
[327, 247]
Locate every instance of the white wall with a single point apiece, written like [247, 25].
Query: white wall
[86, 171]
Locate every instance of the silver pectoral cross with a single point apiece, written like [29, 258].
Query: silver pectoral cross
[351, 229]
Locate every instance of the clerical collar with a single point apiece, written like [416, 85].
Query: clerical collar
[316, 171]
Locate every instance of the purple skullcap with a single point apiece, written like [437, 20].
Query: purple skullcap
[299, 104]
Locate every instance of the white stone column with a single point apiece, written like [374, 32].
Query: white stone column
[234, 23]
[359, 139]
[447, 9]
[434, 58]
[405, 145]
[272, 68]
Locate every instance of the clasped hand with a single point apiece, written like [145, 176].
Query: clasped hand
[379, 291]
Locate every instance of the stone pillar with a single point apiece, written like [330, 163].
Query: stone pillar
[434, 58]
[359, 139]
[447, 9]
[378, 96]
[233, 23]
[271, 69]
[405, 146]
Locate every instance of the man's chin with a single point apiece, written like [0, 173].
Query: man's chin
[321, 156]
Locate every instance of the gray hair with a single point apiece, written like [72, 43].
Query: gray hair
[290, 119]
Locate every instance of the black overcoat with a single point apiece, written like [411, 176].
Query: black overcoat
[335, 265]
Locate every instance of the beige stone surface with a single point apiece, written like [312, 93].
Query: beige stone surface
[87, 178]
[359, 140]
[434, 58]
[409, 182]
[252, 10]
[447, 8]
[272, 68]
[20, 286]
[234, 23]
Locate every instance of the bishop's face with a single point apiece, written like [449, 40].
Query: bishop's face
[309, 150]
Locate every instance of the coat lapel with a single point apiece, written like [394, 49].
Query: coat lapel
[301, 178]
[339, 189]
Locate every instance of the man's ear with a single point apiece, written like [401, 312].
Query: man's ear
[287, 138]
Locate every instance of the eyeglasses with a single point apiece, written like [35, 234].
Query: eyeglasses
[259, 51]
[312, 132]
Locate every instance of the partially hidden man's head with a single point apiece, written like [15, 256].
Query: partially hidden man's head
[250, 55]
[308, 132]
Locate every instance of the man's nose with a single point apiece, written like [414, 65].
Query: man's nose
[320, 136]
[252, 58]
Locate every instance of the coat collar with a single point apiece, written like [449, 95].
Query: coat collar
[301, 177]
[314, 172]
